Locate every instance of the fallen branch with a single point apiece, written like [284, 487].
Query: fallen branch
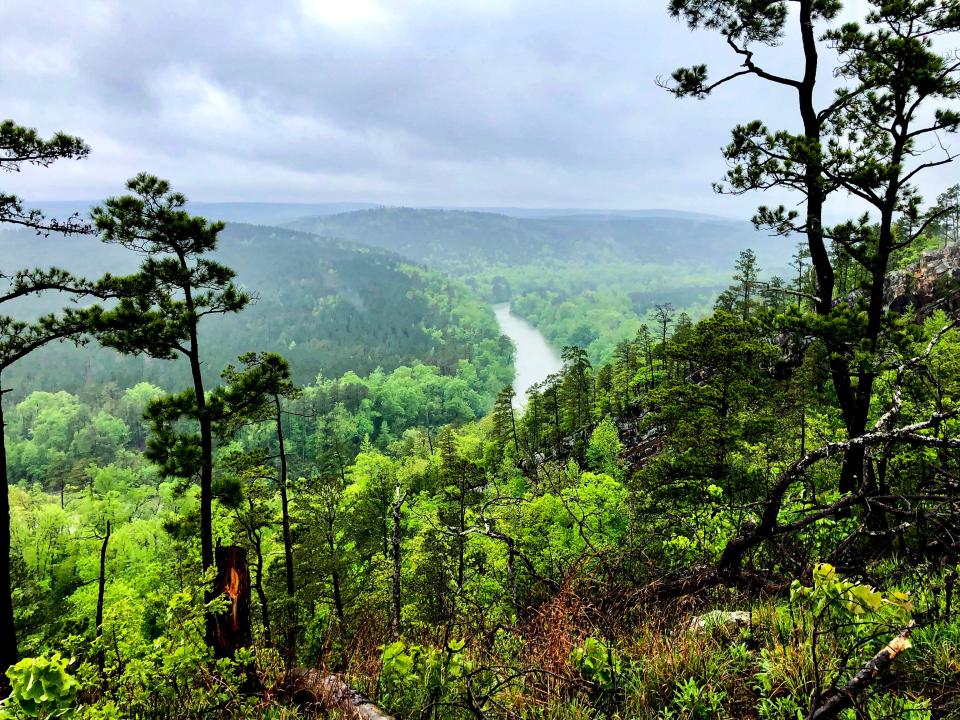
[843, 698]
[308, 686]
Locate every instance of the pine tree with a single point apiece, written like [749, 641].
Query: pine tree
[867, 141]
[576, 388]
[255, 393]
[948, 205]
[163, 304]
[504, 419]
[21, 146]
[745, 278]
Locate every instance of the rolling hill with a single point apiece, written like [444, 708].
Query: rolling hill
[458, 241]
[328, 305]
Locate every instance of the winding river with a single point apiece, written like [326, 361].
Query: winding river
[536, 358]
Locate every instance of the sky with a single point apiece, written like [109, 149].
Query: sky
[524, 103]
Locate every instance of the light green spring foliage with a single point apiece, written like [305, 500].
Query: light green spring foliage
[603, 451]
[41, 688]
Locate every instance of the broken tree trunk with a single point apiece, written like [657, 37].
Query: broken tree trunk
[844, 697]
[101, 587]
[231, 629]
[315, 687]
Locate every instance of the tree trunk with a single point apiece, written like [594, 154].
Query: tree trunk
[100, 590]
[337, 596]
[206, 430]
[262, 596]
[291, 610]
[8, 631]
[395, 547]
[231, 629]
[285, 507]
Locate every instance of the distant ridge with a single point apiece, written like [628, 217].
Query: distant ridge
[545, 213]
[463, 240]
[270, 213]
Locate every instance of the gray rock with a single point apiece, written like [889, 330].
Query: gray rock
[730, 620]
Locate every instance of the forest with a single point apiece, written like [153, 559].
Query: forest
[280, 471]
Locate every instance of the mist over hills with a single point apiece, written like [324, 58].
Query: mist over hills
[459, 240]
[267, 213]
[455, 239]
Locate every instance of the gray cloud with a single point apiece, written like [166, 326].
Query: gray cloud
[475, 102]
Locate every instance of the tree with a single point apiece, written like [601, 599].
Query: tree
[256, 393]
[663, 313]
[250, 503]
[504, 420]
[336, 440]
[22, 146]
[576, 387]
[866, 141]
[745, 278]
[326, 515]
[704, 420]
[948, 203]
[162, 305]
[603, 452]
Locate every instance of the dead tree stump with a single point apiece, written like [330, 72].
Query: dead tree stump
[231, 629]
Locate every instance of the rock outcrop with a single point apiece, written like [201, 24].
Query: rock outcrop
[933, 282]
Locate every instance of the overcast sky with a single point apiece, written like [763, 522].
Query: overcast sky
[418, 102]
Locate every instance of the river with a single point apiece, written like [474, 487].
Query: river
[536, 358]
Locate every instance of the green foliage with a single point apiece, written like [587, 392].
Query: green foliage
[603, 450]
[598, 663]
[693, 701]
[42, 688]
[415, 676]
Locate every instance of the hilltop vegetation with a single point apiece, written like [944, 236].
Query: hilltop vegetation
[329, 306]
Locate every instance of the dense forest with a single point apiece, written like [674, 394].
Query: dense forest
[261, 472]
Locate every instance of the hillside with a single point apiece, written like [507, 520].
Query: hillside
[329, 306]
[459, 241]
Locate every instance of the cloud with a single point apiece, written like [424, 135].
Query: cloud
[476, 102]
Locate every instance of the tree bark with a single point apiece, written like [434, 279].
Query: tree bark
[231, 629]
